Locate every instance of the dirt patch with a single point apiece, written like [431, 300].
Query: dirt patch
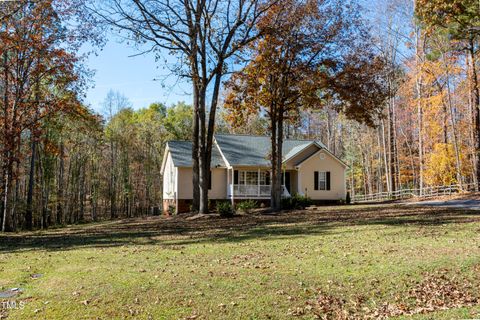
[440, 290]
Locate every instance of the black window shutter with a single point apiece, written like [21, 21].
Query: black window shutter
[267, 178]
[235, 177]
[328, 180]
[210, 180]
[315, 180]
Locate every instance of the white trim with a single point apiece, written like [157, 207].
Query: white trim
[176, 190]
[258, 180]
[233, 189]
[335, 157]
[300, 151]
[320, 148]
[221, 153]
[164, 160]
[299, 183]
[298, 166]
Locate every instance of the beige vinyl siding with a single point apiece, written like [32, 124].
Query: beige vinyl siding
[219, 183]
[322, 162]
[169, 178]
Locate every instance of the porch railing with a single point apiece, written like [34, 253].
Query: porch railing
[253, 191]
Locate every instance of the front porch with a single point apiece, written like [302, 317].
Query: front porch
[254, 184]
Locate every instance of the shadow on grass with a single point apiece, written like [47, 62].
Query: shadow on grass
[175, 232]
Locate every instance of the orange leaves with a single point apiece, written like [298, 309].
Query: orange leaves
[39, 68]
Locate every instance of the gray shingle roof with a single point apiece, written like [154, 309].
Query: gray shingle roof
[246, 150]
[239, 150]
[182, 154]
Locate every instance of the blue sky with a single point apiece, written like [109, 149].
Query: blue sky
[133, 77]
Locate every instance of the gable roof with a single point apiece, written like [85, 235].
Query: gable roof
[327, 152]
[182, 154]
[247, 150]
[239, 150]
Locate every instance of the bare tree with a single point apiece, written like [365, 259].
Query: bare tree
[203, 35]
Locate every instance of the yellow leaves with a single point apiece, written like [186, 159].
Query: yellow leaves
[440, 165]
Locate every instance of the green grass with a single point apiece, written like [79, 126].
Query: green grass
[247, 267]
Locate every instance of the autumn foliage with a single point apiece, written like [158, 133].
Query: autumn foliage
[311, 54]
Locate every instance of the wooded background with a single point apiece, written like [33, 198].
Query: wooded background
[64, 163]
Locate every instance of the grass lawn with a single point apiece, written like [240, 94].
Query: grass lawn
[336, 263]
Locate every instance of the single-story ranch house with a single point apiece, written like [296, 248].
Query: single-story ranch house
[240, 170]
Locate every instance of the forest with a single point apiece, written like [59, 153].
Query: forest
[411, 121]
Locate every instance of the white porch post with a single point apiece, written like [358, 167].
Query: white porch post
[229, 192]
[299, 183]
[258, 182]
[233, 186]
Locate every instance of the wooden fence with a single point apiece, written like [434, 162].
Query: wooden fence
[426, 192]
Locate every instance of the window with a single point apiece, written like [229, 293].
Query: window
[248, 177]
[321, 180]
[252, 178]
[241, 177]
[264, 178]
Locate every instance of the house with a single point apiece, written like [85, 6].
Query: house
[240, 169]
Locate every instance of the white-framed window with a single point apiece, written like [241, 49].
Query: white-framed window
[248, 177]
[264, 178]
[252, 178]
[322, 180]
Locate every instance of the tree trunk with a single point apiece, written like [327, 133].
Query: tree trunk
[195, 152]
[458, 165]
[31, 181]
[385, 158]
[418, 86]
[82, 193]
[471, 124]
[6, 223]
[202, 156]
[391, 145]
[60, 194]
[113, 183]
[476, 106]
[277, 144]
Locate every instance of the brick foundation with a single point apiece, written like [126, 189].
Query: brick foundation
[185, 204]
[166, 204]
[261, 202]
[326, 202]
